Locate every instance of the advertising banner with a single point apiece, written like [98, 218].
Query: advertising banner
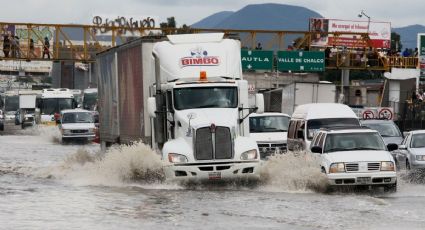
[379, 33]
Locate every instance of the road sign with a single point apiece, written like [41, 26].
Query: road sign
[386, 113]
[257, 59]
[306, 61]
[368, 114]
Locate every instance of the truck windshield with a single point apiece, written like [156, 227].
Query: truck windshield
[205, 97]
[315, 124]
[353, 141]
[89, 101]
[268, 124]
[55, 105]
[11, 103]
[80, 117]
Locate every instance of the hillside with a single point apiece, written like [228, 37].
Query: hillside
[409, 35]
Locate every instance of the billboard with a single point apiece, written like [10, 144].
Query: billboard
[379, 33]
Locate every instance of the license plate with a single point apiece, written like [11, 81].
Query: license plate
[214, 175]
[363, 180]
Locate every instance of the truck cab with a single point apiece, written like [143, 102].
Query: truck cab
[53, 101]
[200, 109]
[270, 132]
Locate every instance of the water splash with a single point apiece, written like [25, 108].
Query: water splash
[118, 166]
[293, 172]
[49, 133]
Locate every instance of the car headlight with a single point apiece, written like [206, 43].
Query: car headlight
[420, 157]
[249, 155]
[337, 168]
[387, 166]
[176, 158]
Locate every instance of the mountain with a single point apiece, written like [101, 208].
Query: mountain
[269, 16]
[212, 20]
[409, 35]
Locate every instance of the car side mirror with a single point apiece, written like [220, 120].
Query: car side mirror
[316, 149]
[402, 147]
[152, 107]
[392, 147]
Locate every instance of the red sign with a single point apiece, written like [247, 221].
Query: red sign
[386, 113]
[368, 114]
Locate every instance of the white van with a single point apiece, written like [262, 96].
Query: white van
[309, 118]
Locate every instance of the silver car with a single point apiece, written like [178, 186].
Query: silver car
[411, 152]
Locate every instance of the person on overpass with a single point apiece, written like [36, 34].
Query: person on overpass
[46, 48]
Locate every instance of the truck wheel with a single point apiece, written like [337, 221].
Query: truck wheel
[391, 188]
[407, 165]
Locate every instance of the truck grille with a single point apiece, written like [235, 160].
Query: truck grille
[213, 144]
[351, 167]
[375, 166]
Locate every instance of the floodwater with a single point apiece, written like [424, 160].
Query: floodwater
[47, 185]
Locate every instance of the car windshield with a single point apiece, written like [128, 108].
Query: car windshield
[315, 124]
[78, 117]
[418, 140]
[89, 101]
[353, 141]
[205, 97]
[55, 105]
[11, 103]
[268, 124]
[387, 129]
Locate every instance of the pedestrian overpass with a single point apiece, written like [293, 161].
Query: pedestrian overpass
[80, 43]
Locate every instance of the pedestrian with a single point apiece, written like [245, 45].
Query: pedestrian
[406, 53]
[18, 48]
[32, 51]
[6, 46]
[259, 47]
[46, 48]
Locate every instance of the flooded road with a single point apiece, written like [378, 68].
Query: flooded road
[46, 185]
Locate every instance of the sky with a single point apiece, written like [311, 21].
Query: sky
[190, 11]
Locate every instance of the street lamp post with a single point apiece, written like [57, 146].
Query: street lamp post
[362, 13]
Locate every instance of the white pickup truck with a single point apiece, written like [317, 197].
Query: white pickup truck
[356, 156]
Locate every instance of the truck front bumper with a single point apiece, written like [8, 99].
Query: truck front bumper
[79, 136]
[213, 171]
[378, 178]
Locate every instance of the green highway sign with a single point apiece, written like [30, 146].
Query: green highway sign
[257, 59]
[301, 61]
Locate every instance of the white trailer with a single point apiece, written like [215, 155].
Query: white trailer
[286, 99]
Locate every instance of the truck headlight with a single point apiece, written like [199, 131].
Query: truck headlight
[420, 157]
[176, 158]
[337, 168]
[249, 155]
[387, 166]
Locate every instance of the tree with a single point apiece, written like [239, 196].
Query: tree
[396, 41]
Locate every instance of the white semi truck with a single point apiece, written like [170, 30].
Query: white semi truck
[196, 115]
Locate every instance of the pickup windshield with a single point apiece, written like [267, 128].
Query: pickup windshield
[205, 97]
[268, 124]
[80, 117]
[353, 141]
[315, 124]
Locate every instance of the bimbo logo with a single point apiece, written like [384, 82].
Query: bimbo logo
[199, 57]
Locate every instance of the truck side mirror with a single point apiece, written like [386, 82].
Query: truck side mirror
[259, 103]
[152, 107]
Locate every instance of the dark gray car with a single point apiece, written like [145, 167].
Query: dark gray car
[388, 130]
